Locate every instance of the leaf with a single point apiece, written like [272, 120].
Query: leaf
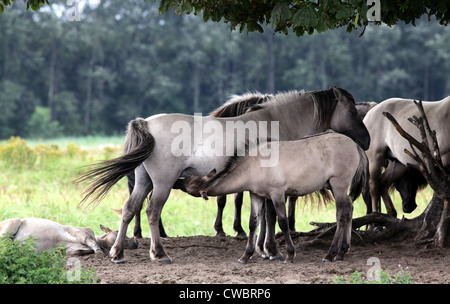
[2, 9]
[280, 14]
[345, 13]
[306, 16]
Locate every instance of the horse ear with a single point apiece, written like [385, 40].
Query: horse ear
[105, 229]
[337, 93]
[212, 173]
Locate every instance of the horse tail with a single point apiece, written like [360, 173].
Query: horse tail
[139, 144]
[360, 181]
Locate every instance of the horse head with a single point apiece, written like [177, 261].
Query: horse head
[107, 240]
[345, 119]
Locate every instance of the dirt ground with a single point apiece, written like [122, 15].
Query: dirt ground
[206, 260]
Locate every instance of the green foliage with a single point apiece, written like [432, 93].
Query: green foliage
[307, 16]
[21, 263]
[40, 124]
[402, 277]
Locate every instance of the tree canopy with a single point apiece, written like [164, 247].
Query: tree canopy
[302, 16]
[307, 16]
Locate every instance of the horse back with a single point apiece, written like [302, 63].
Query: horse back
[384, 136]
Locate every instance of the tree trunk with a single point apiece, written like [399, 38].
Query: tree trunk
[51, 86]
[196, 84]
[442, 231]
[270, 83]
[87, 105]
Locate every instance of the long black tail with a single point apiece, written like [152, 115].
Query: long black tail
[139, 144]
[360, 180]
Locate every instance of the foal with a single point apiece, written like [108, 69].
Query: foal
[304, 166]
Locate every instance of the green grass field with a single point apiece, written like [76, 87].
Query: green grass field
[36, 181]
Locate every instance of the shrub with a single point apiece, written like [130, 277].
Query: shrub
[16, 153]
[21, 263]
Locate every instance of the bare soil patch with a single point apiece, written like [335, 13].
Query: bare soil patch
[206, 260]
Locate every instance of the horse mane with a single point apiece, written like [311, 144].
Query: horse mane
[240, 104]
[324, 102]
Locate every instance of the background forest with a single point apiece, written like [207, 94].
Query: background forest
[123, 60]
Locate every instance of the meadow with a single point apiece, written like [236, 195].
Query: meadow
[36, 180]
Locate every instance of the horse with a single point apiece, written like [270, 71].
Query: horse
[326, 160]
[164, 149]
[48, 234]
[235, 106]
[387, 148]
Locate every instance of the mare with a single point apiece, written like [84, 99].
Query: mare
[164, 149]
[235, 106]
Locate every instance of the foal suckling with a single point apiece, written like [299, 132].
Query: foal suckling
[304, 166]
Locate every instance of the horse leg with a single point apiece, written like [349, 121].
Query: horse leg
[375, 163]
[158, 199]
[137, 231]
[221, 201]
[270, 244]
[262, 232]
[237, 226]
[255, 211]
[142, 188]
[342, 236]
[291, 212]
[393, 172]
[279, 203]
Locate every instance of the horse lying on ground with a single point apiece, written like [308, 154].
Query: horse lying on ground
[307, 165]
[48, 234]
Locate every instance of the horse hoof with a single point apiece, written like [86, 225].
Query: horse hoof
[241, 236]
[118, 260]
[276, 258]
[221, 234]
[326, 260]
[165, 260]
[289, 261]
[242, 262]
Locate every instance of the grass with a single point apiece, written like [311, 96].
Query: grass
[381, 277]
[36, 181]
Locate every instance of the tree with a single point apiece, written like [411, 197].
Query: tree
[302, 16]
[308, 16]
